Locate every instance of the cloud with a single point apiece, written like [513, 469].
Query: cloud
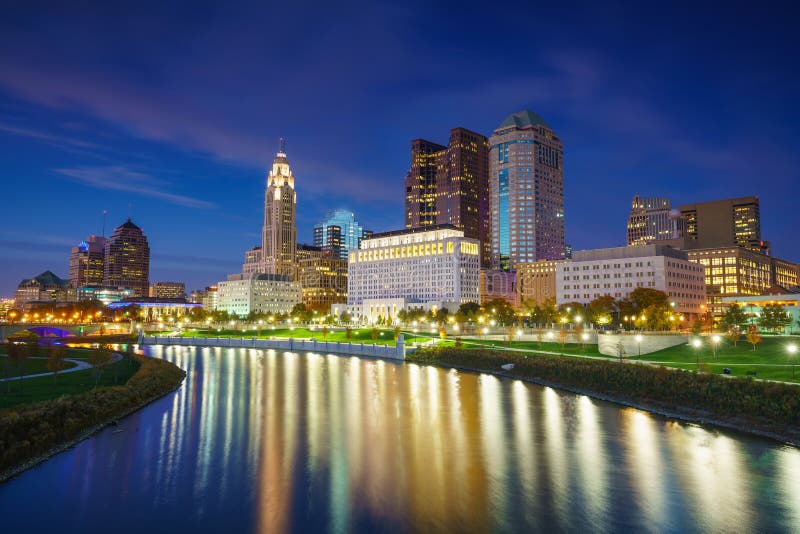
[44, 136]
[118, 178]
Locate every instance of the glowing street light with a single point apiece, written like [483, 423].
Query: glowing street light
[715, 339]
[639, 342]
[696, 343]
[792, 351]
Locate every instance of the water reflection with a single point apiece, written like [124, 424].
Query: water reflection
[274, 442]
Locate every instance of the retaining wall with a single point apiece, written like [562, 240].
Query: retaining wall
[608, 343]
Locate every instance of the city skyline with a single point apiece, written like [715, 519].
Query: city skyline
[184, 168]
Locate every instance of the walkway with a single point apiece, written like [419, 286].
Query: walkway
[80, 365]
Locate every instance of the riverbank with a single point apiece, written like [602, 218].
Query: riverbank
[765, 409]
[32, 433]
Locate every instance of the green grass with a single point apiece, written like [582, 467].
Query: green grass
[30, 390]
[358, 335]
[30, 366]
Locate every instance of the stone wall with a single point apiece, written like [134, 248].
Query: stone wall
[608, 343]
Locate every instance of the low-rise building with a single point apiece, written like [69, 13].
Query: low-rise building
[753, 306]
[323, 279]
[243, 293]
[104, 294]
[536, 282]
[429, 267]
[618, 271]
[47, 288]
[154, 309]
[497, 284]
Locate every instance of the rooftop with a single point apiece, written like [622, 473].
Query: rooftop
[523, 119]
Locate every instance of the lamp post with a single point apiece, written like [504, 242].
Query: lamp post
[696, 344]
[715, 339]
[792, 351]
[639, 343]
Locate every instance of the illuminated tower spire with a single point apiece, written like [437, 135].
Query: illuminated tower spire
[279, 238]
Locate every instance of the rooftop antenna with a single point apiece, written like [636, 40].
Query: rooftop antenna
[104, 222]
[282, 146]
[130, 208]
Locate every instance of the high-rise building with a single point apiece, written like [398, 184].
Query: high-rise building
[449, 185]
[279, 233]
[127, 259]
[722, 223]
[339, 233]
[526, 184]
[433, 267]
[87, 262]
[652, 219]
[168, 290]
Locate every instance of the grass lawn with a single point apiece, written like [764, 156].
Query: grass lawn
[29, 367]
[30, 390]
[358, 335]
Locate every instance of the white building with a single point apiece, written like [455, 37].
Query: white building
[618, 271]
[430, 267]
[263, 293]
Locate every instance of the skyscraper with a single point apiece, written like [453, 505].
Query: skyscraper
[339, 233]
[526, 184]
[87, 262]
[279, 233]
[733, 221]
[127, 259]
[652, 219]
[449, 185]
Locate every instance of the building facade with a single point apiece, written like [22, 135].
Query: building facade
[339, 233]
[324, 281]
[496, 284]
[265, 293]
[279, 233]
[724, 223]
[47, 288]
[168, 290]
[104, 294]
[87, 262]
[526, 184]
[433, 266]
[652, 219]
[536, 282]
[616, 272]
[127, 259]
[753, 307]
[449, 185]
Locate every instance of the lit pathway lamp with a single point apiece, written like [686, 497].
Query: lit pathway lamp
[792, 352]
[696, 343]
[639, 343]
[715, 339]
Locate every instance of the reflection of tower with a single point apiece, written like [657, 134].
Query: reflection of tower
[279, 236]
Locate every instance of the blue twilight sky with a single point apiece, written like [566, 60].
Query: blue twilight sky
[171, 113]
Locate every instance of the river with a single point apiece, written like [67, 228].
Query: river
[260, 441]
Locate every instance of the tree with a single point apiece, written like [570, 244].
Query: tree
[733, 317]
[396, 333]
[539, 336]
[442, 332]
[643, 297]
[733, 335]
[301, 312]
[470, 309]
[324, 333]
[562, 337]
[18, 352]
[774, 317]
[511, 334]
[753, 336]
[346, 318]
[501, 310]
[348, 333]
[56, 360]
[99, 359]
[602, 309]
[373, 333]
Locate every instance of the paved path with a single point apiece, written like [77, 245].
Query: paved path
[80, 365]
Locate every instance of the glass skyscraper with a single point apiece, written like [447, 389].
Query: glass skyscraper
[339, 233]
[526, 188]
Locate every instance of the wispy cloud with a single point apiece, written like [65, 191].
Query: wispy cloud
[44, 136]
[118, 178]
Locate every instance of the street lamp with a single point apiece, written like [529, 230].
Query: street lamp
[715, 339]
[792, 351]
[639, 342]
[696, 344]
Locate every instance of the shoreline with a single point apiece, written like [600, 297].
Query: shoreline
[17, 470]
[684, 415]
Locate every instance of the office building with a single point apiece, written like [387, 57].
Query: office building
[155, 309]
[323, 279]
[724, 223]
[432, 267]
[87, 262]
[279, 233]
[526, 184]
[168, 290]
[47, 288]
[127, 259]
[536, 282]
[339, 233]
[105, 295]
[264, 293]
[753, 307]
[618, 271]
[496, 284]
[449, 185]
[206, 297]
[652, 219]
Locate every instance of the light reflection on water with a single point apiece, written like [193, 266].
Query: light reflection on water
[273, 442]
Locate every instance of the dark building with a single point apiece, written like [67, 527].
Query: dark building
[721, 223]
[87, 262]
[450, 185]
[127, 256]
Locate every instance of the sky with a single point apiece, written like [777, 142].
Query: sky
[170, 113]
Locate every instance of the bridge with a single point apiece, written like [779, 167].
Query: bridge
[61, 330]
